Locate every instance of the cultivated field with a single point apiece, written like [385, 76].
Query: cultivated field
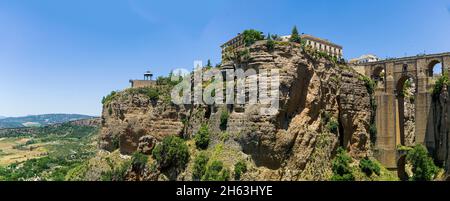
[16, 150]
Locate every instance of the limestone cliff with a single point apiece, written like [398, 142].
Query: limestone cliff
[438, 133]
[314, 92]
[131, 116]
[323, 105]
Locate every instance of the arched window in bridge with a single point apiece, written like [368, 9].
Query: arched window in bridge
[405, 67]
[435, 69]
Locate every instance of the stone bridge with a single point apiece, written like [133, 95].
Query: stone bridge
[391, 76]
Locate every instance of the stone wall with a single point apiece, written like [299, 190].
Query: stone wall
[142, 83]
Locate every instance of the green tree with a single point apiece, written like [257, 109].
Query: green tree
[138, 161]
[250, 36]
[295, 37]
[270, 44]
[209, 65]
[224, 120]
[202, 137]
[333, 126]
[239, 169]
[199, 169]
[172, 152]
[423, 167]
[341, 166]
[369, 167]
[216, 172]
[440, 83]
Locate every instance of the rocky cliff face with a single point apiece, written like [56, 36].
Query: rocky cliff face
[439, 133]
[323, 105]
[314, 93]
[133, 118]
[409, 113]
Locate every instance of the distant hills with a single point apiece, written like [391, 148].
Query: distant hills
[39, 120]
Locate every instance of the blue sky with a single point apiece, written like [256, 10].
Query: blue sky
[63, 56]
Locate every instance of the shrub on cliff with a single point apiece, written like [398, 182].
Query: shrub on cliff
[333, 126]
[108, 98]
[369, 167]
[138, 161]
[423, 167]
[167, 81]
[270, 44]
[116, 174]
[199, 169]
[216, 172]
[172, 152]
[202, 137]
[251, 36]
[239, 169]
[341, 166]
[150, 92]
[369, 83]
[224, 120]
[440, 83]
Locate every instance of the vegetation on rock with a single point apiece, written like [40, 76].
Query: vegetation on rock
[216, 172]
[341, 166]
[369, 167]
[370, 86]
[202, 137]
[250, 36]
[199, 168]
[369, 83]
[295, 37]
[150, 92]
[172, 152]
[439, 85]
[106, 100]
[270, 44]
[333, 126]
[423, 167]
[116, 173]
[239, 168]
[224, 120]
[138, 161]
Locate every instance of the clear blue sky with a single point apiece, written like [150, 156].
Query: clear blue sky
[63, 56]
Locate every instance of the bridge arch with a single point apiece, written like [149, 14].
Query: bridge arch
[435, 67]
[402, 80]
[390, 117]
[378, 73]
[406, 109]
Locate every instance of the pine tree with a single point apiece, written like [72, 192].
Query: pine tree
[295, 37]
[209, 65]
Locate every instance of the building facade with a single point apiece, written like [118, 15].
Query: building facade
[146, 82]
[232, 45]
[320, 44]
[365, 59]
